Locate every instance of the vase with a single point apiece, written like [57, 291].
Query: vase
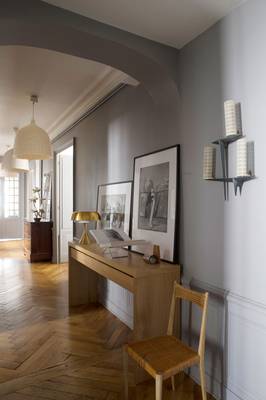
[37, 219]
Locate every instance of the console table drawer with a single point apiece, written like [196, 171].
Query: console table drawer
[104, 270]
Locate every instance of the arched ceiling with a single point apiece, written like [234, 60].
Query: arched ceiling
[34, 23]
[61, 81]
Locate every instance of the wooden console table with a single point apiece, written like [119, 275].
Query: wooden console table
[152, 286]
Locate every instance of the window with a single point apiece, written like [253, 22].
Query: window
[11, 197]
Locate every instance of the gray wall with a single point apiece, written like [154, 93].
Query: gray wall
[108, 140]
[106, 143]
[224, 242]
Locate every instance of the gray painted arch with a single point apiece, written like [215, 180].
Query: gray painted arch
[38, 24]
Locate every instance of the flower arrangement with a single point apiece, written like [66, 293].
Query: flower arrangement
[37, 204]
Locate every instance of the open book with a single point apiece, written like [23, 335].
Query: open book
[111, 238]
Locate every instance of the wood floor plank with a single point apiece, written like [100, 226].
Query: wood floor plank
[48, 352]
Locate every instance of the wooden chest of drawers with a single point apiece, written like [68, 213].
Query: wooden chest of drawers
[38, 241]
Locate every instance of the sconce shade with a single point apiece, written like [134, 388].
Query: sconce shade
[85, 216]
[32, 143]
[12, 164]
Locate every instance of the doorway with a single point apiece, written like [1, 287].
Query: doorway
[11, 207]
[64, 201]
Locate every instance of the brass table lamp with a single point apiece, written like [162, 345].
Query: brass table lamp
[85, 217]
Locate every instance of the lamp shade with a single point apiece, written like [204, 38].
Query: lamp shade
[32, 143]
[12, 164]
[85, 216]
[7, 174]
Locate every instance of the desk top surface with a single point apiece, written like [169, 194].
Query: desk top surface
[133, 265]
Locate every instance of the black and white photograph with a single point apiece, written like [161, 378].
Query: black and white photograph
[153, 197]
[113, 204]
[156, 201]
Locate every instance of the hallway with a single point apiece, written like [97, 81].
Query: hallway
[47, 353]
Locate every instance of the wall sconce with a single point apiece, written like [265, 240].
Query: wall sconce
[244, 152]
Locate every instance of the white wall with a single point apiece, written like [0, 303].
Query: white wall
[224, 242]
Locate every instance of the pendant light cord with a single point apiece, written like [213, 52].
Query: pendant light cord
[33, 119]
[34, 99]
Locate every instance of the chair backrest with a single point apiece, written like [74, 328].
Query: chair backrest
[201, 299]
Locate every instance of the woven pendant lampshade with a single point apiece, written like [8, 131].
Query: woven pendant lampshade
[32, 142]
[12, 164]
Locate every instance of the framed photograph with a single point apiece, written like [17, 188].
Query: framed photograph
[155, 216]
[46, 195]
[114, 205]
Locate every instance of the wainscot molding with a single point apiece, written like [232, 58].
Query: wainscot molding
[109, 80]
[215, 337]
[235, 356]
[213, 290]
[246, 347]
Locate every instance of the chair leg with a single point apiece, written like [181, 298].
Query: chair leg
[173, 383]
[202, 380]
[159, 387]
[125, 365]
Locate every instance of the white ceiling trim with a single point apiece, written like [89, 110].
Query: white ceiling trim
[95, 92]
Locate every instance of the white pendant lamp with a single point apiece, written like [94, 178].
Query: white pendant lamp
[7, 174]
[32, 142]
[10, 163]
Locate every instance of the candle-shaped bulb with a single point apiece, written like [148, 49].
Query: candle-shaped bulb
[230, 116]
[241, 157]
[209, 162]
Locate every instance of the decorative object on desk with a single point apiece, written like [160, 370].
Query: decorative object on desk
[156, 200]
[150, 259]
[153, 258]
[37, 204]
[114, 240]
[156, 251]
[245, 151]
[85, 217]
[209, 162]
[31, 141]
[109, 237]
[114, 205]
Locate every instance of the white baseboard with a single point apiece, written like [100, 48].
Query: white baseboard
[118, 312]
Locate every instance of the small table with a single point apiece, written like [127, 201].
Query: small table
[152, 286]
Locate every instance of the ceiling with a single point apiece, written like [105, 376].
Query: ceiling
[66, 87]
[171, 22]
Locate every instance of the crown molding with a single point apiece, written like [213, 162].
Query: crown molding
[95, 92]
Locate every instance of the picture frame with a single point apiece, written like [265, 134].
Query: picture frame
[156, 204]
[47, 195]
[114, 205]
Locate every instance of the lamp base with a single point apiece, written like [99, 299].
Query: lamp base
[85, 239]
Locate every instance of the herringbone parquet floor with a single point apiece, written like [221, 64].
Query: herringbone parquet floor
[47, 352]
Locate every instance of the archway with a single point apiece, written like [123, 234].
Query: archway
[38, 24]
